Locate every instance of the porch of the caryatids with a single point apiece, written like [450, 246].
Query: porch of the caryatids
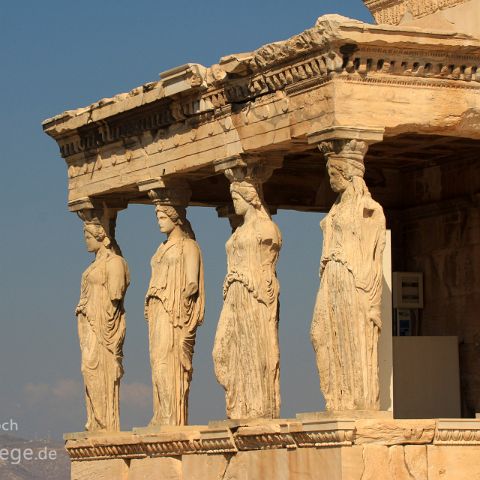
[346, 321]
[101, 315]
[246, 351]
[174, 302]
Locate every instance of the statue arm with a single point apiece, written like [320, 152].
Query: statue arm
[373, 243]
[266, 283]
[370, 271]
[117, 278]
[269, 235]
[192, 267]
[325, 228]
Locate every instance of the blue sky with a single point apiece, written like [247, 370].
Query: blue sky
[58, 55]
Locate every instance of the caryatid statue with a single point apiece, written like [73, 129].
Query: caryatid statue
[174, 308]
[346, 321]
[246, 352]
[101, 321]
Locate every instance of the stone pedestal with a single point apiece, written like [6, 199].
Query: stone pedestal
[316, 446]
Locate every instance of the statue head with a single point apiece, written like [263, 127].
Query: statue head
[245, 195]
[342, 172]
[95, 236]
[171, 217]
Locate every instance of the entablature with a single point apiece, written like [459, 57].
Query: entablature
[269, 101]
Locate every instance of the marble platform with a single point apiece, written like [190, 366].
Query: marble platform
[311, 446]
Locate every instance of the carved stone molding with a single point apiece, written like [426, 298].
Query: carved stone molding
[347, 133]
[265, 437]
[103, 212]
[96, 139]
[457, 432]
[217, 440]
[351, 149]
[275, 434]
[213, 440]
[325, 434]
[101, 452]
[171, 191]
[184, 77]
[245, 166]
[265, 441]
[138, 445]
[349, 61]
[392, 11]
[347, 143]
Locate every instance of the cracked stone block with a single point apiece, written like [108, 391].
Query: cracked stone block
[203, 467]
[259, 464]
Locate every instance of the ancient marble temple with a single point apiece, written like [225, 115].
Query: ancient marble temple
[378, 127]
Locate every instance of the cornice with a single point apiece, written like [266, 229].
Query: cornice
[354, 63]
[192, 90]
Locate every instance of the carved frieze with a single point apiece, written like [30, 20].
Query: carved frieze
[392, 11]
[363, 63]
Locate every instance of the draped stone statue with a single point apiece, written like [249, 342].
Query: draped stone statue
[174, 308]
[346, 321]
[246, 351]
[101, 327]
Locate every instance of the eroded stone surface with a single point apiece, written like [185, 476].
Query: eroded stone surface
[315, 464]
[416, 461]
[346, 322]
[258, 450]
[394, 432]
[155, 469]
[246, 351]
[289, 88]
[453, 463]
[174, 308]
[101, 322]
[100, 470]
[376, 463]
[448, 15]
[395, 462]
[202, 467]
[258, 464]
